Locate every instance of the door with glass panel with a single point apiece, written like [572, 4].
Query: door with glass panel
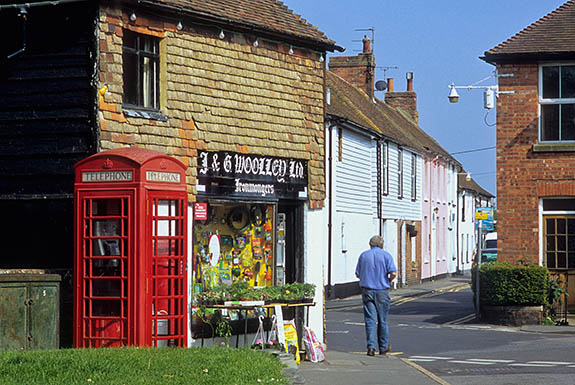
[107, 223]
[169, 270]
[559, 252]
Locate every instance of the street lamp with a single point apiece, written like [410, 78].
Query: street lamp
[489, 93]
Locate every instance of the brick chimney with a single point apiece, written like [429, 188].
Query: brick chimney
[357, 70]
[406, 101]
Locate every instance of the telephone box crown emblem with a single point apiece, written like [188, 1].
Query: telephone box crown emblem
[108, 164]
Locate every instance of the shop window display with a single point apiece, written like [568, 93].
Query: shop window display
[235, 243]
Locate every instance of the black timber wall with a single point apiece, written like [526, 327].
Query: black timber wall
[47, 124]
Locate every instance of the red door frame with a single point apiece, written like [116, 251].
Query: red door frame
[167, 299]
[87, 322]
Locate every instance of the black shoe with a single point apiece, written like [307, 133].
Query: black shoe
[386, 350]
[371, 352]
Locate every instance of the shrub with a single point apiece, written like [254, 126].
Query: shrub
[503, 284]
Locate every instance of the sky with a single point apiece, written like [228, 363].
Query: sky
[440, 42]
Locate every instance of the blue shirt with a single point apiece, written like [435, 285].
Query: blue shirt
[373, 267]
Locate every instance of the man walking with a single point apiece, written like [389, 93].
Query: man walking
[376, 270]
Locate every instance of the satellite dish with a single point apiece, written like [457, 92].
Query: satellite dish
[381, 85]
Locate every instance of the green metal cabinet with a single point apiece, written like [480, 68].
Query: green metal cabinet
[29, 311]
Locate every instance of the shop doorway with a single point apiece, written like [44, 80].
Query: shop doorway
[290, 233]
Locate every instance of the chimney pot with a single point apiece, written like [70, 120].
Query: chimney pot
[409, 77]
[366, 44]
[390, 85]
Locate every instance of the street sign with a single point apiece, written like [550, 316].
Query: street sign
[479, 215]
[485, 217]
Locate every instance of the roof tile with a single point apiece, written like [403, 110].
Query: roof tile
[352, 104]
[553, 33]
[268, 15]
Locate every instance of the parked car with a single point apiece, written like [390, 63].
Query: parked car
[489, 252]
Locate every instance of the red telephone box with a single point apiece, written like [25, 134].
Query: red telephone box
[130, 275]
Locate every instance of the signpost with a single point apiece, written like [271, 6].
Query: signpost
[485, 217]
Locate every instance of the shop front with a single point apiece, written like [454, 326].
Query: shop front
[248, 222]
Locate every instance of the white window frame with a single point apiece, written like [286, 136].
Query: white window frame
[552, 101]
[400, 173]
[385, 168]
[413, 177]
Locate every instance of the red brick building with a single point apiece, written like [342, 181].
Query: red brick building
[536, 144]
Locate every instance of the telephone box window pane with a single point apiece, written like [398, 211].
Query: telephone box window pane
[107, 227]
[106, 207]
[166, 208]
[567, 82]
[106, 308]
[568, 122]
[550, 82]
[107, 288]
[106, 247]
[106, 268]
[550, 122]
[551, 260]
[166, 247]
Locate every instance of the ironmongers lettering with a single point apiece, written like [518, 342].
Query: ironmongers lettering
[107, 176]
[262, 189]
[159, 176]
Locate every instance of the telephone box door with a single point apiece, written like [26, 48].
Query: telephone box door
[169, 271]
[105, 242]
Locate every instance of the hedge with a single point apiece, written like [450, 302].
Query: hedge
[503, 284]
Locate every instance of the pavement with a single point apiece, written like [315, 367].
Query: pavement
[344, 368]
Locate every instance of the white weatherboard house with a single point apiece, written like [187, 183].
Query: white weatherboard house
[385, 176]
[374, 185]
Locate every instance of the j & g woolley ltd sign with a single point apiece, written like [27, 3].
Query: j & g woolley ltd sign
[230, 173]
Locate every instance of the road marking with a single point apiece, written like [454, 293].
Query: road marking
[550, 363]
[431, 357]
[534, 365]
[421, 360]
[355, 323]
[488, 360]
[338, 331]
[395, 354]
[425, 371]
[461, 320]
[472, 362]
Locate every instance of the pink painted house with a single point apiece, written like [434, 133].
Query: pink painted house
[439, 225]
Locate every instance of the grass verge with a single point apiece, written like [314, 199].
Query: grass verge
[141, 366]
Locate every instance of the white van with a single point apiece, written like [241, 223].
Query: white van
[491, 240]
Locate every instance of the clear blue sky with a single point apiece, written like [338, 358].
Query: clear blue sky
[440, 42]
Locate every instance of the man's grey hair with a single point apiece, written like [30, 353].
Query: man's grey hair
[376, 240]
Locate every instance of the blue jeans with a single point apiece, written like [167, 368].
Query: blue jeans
[375, 310]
